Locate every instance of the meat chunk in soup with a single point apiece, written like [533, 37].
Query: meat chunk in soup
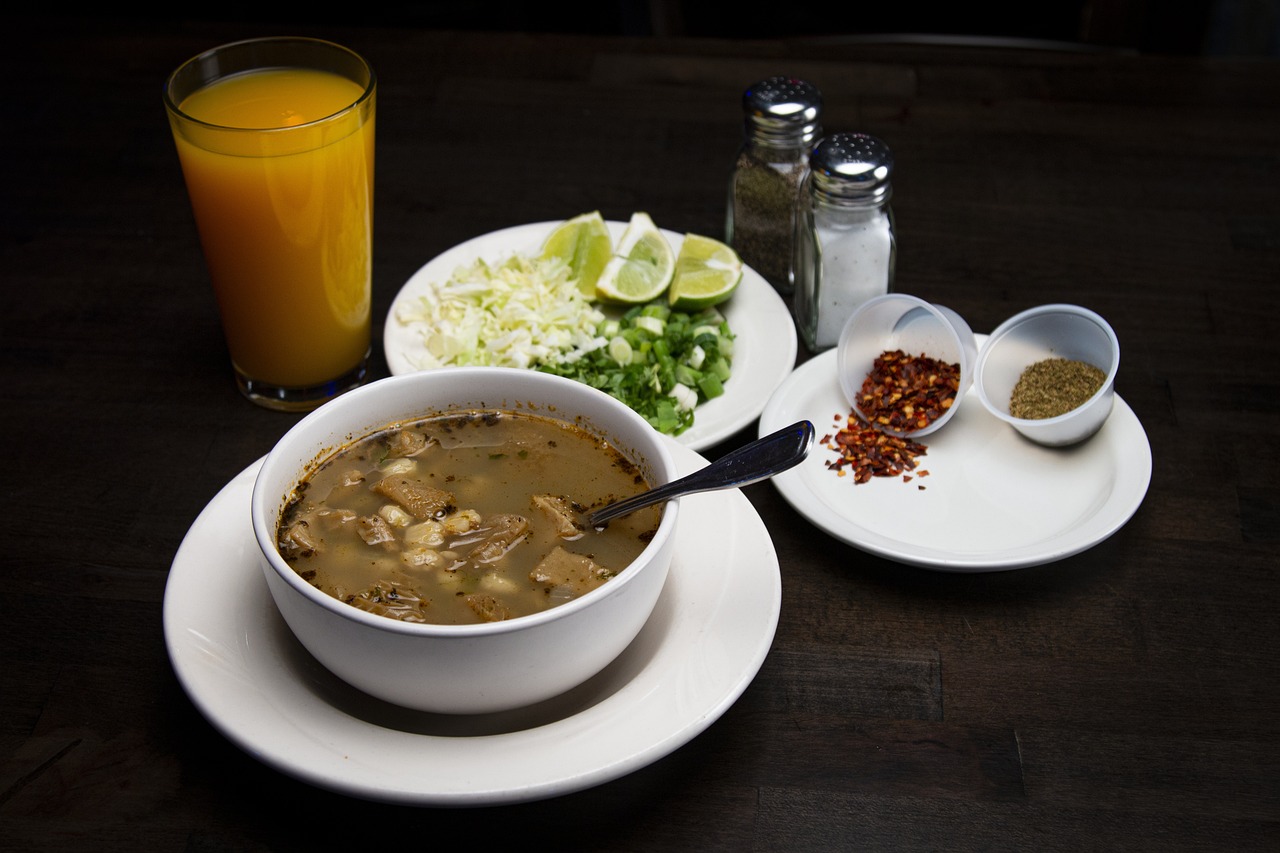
[374, 530]
[495, 536]
[565, 516]
[420, 499]
[488, 608]
[298, 539]
[406, 443]
[388, 598]
[570, 572]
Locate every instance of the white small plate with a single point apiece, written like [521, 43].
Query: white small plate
[764, 346]
[245, 671]
[992, 499]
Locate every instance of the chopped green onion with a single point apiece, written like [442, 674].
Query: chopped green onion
[652, 325]
[668, 373]
[710, 386]
[620, 350]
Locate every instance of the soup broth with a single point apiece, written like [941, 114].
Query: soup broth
[465, 518]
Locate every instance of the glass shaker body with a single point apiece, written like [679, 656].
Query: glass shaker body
[782, 121]
[845, 247]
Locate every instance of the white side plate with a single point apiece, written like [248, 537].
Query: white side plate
[992, 500]
[764, 345]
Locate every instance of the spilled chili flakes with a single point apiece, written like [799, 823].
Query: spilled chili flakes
[867, 452]
[908, 392]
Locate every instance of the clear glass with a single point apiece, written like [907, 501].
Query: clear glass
[283, 202]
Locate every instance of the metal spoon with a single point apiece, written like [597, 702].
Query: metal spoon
[749, 464]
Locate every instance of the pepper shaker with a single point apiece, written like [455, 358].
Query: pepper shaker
[782, 120]
[844, 247]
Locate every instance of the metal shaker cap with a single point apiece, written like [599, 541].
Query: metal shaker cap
[852, 168]
[783, 110]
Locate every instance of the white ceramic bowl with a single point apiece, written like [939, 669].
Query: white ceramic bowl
[1049, 331]
[464, 669]
[900, 321]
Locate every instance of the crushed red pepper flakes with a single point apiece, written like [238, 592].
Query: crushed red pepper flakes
[868, 452]
[906, 393]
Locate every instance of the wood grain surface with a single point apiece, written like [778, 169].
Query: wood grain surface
[1121, 699]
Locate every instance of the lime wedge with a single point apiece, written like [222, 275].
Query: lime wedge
[642, 265]
[584, 244]
[707, 273]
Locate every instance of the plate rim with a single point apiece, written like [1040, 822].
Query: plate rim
[793, 490]
[776, 352]
[204, 676]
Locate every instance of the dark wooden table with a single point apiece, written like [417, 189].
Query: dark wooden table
[1124, 698]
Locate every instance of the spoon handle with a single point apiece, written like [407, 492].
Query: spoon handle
[749, 464]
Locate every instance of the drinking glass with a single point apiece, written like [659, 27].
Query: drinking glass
[276, 141]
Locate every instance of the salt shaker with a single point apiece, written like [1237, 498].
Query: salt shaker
[782, 120]
[844, 245]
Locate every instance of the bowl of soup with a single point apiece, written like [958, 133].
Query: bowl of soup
[424, 536]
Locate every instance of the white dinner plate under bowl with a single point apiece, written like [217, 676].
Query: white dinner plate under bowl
[991, 500]
[236, 658]
[764, 333]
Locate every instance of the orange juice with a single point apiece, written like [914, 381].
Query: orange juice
[279, 169]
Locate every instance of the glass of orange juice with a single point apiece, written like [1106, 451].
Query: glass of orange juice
[275, 138]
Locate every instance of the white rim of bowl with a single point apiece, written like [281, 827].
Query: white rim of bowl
[264, 531]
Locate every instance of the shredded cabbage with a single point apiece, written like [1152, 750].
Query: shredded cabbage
[521, 312]
[527, 312]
